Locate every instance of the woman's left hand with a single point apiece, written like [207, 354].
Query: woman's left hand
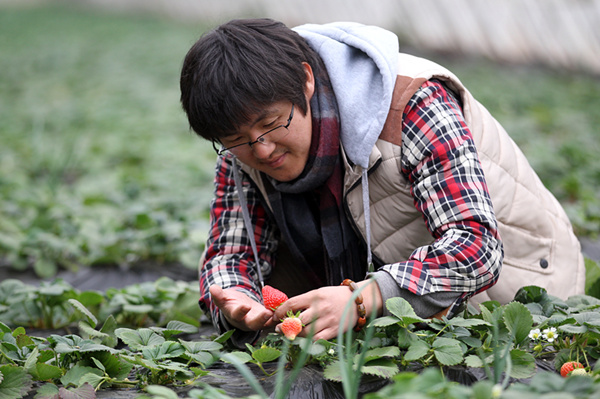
[321, 310]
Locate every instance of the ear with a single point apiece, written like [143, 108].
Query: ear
[309, 85]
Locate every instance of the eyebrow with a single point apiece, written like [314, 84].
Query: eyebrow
[265, 114]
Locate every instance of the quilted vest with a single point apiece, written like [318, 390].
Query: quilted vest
[540, 247]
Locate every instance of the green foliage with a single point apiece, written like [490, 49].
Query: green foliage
[98, 164]
[57, 304]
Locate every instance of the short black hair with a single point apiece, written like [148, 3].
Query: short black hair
[233, 71]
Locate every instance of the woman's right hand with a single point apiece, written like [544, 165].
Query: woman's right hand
[241, 311]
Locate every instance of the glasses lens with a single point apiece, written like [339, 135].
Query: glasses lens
[274, 135]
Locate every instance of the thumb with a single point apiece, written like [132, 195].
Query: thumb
[216, 292]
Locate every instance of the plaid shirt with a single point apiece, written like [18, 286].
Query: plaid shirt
[439, 160]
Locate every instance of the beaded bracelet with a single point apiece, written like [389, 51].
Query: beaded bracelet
[360, 307]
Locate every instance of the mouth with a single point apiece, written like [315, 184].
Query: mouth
[275, 162]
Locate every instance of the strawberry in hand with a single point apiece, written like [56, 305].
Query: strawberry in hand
[272, 297]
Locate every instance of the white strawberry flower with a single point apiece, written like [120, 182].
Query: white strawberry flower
[550, 334]
[535, 334]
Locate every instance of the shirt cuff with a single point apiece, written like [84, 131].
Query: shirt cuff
[424, 305]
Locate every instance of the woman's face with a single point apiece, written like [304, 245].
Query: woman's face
[285, 159]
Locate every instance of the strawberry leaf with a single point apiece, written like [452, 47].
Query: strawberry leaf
[86, 391]
[166, 350]
[447, 351]
[523, 364]
[518, 320]
[138, 339]
[333, 371]
[266, 354]
[416, 351]
[400, 308]
[92, 320]
[16, 382]
[383, 368]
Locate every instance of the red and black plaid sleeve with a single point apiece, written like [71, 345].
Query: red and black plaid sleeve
[440, 160]
[229, 260]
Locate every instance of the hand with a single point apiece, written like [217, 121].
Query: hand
[240, 310]
[322, 309]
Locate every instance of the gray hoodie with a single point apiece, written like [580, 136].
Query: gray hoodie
[362, 63]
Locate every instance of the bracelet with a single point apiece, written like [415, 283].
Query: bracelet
[360, 307]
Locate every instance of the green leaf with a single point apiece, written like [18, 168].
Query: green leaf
[523, 364]
[89, 332]
[266, 354]
[383, 368]
[201, 346]
[138, 339]
[45, 372]
[573, 329]
[312, 348]
[108, 328]
[400, 308]
[473, 361]
[85, 391]
[203, 358]
[224, 337]
[166, 350]
[82, 346]
[74, 374]
[93, 379]
[47, 391]
[590, 319]
[113, 365]
[181, 327]
[447, 351]
[531, 293]
[161, 392]
[416, 351]
[384, 321]
[15, 382]
[406, 338]
[45, 268]
[79, 306]
[461, 322]
[518, 320]
[138, 309]
[382, 352]
[333, 371]
[91, 298]
[241, 357]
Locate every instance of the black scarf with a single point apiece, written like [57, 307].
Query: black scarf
[309, 209]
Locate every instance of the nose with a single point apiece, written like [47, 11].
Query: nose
[263, 150]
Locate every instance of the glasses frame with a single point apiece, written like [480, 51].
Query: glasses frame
[260, 139]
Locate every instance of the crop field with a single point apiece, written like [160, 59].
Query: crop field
[98, 167]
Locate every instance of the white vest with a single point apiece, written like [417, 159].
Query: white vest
[540, 247]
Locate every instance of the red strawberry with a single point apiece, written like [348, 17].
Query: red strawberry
[272, 297]
[566, 368]
[291, 325]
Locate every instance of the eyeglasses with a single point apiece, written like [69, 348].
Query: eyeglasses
[276, 134]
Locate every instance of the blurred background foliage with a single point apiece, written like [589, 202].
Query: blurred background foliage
[98, 166]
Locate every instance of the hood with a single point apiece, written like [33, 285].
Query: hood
[362, 63]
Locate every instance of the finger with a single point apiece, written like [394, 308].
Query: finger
[258, 320]
[217, 294]
[239, 312]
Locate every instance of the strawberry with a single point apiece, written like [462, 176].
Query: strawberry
[272, 297]
[568, 367]
[291, 325]
[579, 372]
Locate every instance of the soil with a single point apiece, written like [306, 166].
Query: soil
[309, 382]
